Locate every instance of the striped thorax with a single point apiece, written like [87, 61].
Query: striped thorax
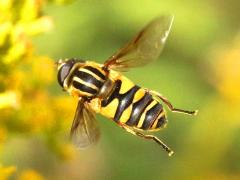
[79, 78]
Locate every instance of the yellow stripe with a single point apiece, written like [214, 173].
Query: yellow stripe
[100, 69]
[60, 65]
[138, 95]
[126, 114]
[126, 84]
[90, 72]
[85, 83]
[140, 122]
[157, 119]
[154, 124]
[69, 75]
[110, 109]
[76, 92]
[153, 103]
[96, 65]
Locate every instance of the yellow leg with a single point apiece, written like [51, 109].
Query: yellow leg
[170, 106]
[150, 137]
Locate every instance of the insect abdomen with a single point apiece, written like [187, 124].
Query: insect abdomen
[133, 106]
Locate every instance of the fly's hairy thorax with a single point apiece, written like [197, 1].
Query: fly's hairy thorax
[87, 80]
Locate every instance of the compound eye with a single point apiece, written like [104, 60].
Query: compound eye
[63, 73]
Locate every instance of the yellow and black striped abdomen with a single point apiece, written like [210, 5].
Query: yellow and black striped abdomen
[134, 106]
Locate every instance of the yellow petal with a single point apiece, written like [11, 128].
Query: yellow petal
[6, 172]
[30, 175]
[9, 99]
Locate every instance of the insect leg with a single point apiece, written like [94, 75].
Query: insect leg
[170, 106]
[150, 137]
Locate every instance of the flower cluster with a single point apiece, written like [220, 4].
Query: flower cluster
[27, 105]
[226, 70]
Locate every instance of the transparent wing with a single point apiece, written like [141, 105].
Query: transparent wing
[144, 48]
[84, 131]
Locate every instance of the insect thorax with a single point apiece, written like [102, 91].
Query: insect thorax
[87, 80]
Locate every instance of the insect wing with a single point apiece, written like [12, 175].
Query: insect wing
[85, 130]
[144, 48]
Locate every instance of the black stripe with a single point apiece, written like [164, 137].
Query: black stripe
[124, 102]
[161, 121]
[95, 71]
[151, 116]
[84, 88]
[114, 94]
[88, 78]
[124, 99]
[138, 109]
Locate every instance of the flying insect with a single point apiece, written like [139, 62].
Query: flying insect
[101, 88]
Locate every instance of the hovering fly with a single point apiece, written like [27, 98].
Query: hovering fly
[101, 88]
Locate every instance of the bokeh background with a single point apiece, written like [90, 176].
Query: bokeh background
[198, 69]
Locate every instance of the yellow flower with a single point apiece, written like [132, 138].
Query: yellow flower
[38, 26]
[226, 70]
[30, 10]
[5, 6]
[3, 134]
[30, 175]
[5, 29]
[9, 99]
[36, 112]
[65, 107]
[6, 172]
[17, 45]
[39, 68]
[67, 151]
[26, 78]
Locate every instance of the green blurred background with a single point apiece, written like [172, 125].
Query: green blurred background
[198, 69]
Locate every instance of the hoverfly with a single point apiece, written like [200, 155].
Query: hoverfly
[101, 88]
